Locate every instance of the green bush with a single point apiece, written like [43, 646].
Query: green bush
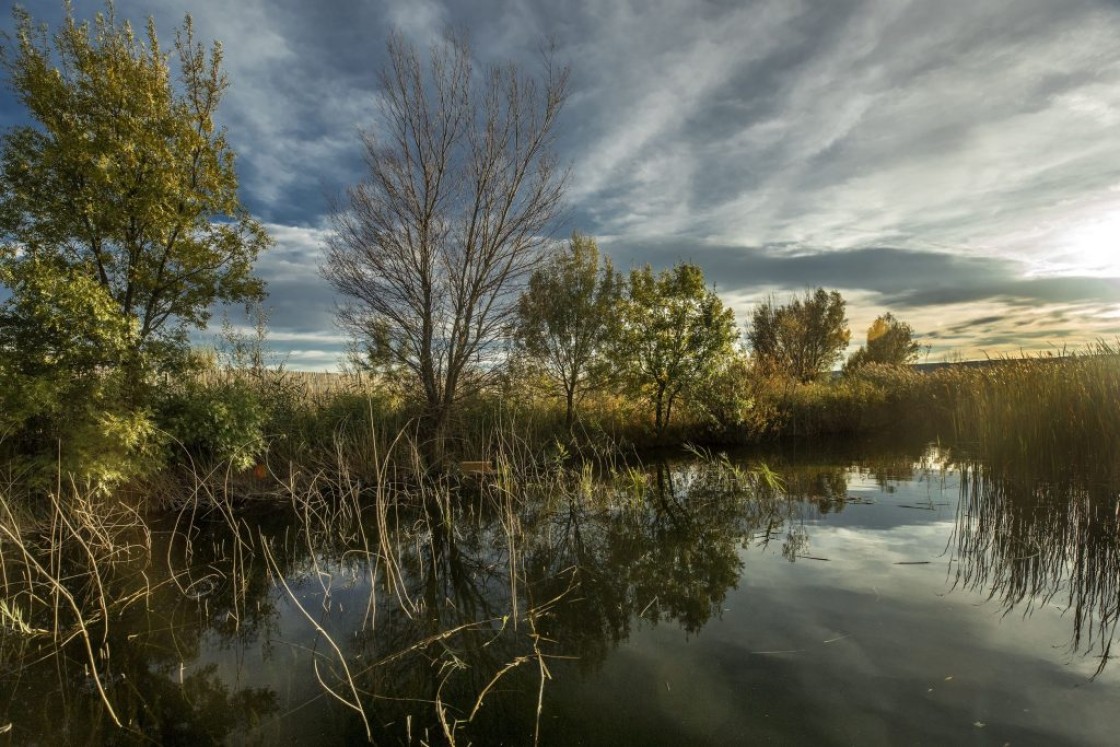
[215, 420]
[730, 406]
[67, 410]
[59, 428]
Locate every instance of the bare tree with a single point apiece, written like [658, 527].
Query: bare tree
[435, 242]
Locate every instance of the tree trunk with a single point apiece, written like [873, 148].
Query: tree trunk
[569, 414]
[668, 411]
[660, 412]
[134, 381]
[434, 428]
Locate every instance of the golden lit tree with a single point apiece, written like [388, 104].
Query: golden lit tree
[889, 341]
[802, 338]
[120, 226]
[123, 177]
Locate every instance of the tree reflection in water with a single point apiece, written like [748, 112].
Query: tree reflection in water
[586, 559]
[446, 621]
[669, 554]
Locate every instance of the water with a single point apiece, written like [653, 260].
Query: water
[882, 598]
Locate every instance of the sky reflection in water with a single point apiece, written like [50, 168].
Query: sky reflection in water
[902, 601]
[857, 649]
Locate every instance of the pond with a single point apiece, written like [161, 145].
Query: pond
[877, 596]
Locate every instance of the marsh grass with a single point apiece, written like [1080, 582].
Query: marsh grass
[478, 578]
[65, 571]
[1065, 407]
[1025, 406]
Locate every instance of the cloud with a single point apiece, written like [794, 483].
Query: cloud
[900, 275]
[950, 160]
[302, 83]
[299, 301]
[1019, 292]
[856, 124]
[972, 305]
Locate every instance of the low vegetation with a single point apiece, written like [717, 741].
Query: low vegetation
[285, 424]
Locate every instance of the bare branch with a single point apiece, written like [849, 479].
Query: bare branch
[460, 192]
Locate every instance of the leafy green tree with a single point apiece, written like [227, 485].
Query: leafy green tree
[124, 179]
[565, 319]
[889, 341]
[803, 338]
[58, 331]
[731, 402]
[673, 334]
[120, 226]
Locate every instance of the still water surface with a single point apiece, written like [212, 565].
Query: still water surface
[883, 598]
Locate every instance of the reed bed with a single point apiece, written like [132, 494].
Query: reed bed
[472, 584]
[1064, 407]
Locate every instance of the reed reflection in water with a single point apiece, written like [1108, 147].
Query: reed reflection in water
[1026, 538]
[360, 615]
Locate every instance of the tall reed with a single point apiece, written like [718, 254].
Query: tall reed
[1064, 409]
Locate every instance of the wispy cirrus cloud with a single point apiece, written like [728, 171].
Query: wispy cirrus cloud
[858, 123]
[951, 161]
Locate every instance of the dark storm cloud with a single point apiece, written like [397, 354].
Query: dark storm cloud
[992, 331]
[1026, 292]
[1023, 340]
[879, 269]
[983, 320]
[302, 305]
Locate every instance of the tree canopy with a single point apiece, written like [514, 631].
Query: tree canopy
[802, 338]
[889, 342]
[123, 177]
[566, 316]
[120, 226]
[673, 335]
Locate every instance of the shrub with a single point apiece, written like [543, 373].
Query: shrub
[215, 420]
[732, 406]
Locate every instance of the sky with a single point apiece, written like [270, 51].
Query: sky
[956, 163]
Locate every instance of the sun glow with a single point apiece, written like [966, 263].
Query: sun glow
[1093, 247]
